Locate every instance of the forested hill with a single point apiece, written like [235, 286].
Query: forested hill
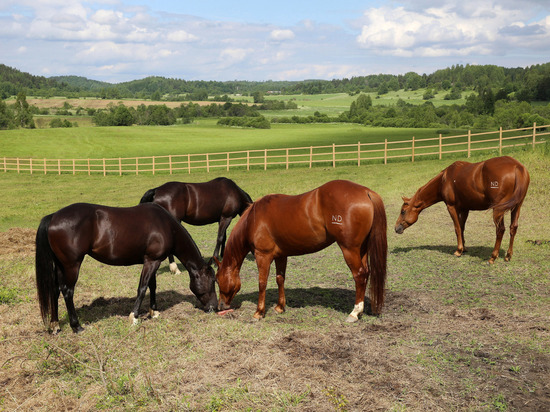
[530, 83]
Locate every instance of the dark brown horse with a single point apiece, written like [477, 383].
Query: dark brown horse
[143, 234]
[278, 226]
[499, 184]
[218, 200]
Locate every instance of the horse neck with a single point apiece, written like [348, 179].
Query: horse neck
[430, 193]
[237, 246]
[186, 251]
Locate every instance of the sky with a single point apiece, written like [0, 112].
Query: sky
[123, 40]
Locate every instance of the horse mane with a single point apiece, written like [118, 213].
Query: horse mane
[237, 245]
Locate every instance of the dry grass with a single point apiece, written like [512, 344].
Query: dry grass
[455, 333]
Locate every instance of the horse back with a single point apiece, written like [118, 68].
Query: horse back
[480, 186]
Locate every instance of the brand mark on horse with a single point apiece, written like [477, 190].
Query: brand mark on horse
[494, 185]
[337, 220]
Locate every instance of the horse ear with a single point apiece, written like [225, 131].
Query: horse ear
[216, 261]
[406, 200]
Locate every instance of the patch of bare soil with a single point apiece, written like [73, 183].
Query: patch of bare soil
[17, 241]
[101, 103]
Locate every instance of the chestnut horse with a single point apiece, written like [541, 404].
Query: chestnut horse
[499, 184]
[143, 234]
[277, 226]
[218, 200]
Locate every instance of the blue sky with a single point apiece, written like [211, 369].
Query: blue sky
[122, 40]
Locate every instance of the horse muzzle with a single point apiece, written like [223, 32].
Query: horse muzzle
[399, 228]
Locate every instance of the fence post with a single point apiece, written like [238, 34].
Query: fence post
[310, 156]
[6, 165]
[265, 159]
[17, 165]
[119, 166]
[59, 166]
[385, 151]
[358, 153]
[137, 166]
[440, 147]
[469, 142]
[74, 167]
[333, 155]
[170, 163]
[534, 134]
[89, 170]
[228, 161]
[287, 158]
[207, 164]
[413, 150]
[500, 141]
[189, 162]
[45, 171]
[104, 168]
[30, 165]
[248, 160]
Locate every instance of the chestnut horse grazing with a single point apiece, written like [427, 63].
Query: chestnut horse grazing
[143, 234]
[277, 226]
[218, 200]
[499, 184]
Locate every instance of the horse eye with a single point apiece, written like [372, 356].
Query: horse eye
[403, 212]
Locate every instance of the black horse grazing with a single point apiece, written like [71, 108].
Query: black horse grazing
[144, 234]
[218, 200]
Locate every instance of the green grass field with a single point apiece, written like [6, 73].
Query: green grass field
[455, 333]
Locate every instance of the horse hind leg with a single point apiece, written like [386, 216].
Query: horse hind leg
[66, 286]
[498, 218]
[360, 276]
[173, 265]
[280, 267]
[513, 230]
[222, 233]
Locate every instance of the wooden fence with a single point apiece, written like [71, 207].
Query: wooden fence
[330, 155]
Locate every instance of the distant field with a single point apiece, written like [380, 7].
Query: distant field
[203, 136]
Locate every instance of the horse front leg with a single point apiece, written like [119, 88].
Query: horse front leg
[149, 269]
[153, 312]
[220, 241]
[498, 218]
[263, 262]
[280, 268]
[458, 229]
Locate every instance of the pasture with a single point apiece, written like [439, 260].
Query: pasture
[455, 333]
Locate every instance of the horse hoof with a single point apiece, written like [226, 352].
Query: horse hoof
[458, 254]
[133, 320]
[154, 313]
[351, 319]
[278, 309]
[78, 329]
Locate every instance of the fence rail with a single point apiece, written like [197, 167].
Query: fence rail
[330, 155]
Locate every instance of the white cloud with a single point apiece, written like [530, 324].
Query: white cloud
[281, 35]
[180, 36]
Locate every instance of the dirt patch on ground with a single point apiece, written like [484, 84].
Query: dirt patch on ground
[102, 103]
[17, 241]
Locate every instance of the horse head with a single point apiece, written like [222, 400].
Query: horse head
[229, 283]
[202, 284]
[408, 215]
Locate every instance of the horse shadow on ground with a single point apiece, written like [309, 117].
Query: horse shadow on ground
[482, 252]
[338, 299]
[102, 308]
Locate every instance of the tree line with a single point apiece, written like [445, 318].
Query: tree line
[523, 84]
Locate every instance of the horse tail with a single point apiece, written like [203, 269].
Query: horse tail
[149, 196]
[46, 277]
[377, 251]
[520, 190]
[247, 202]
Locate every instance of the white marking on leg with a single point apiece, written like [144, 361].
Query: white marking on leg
[133, 319]
[174, 268]
[357, 310]
[154, 313]
[54, 326]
